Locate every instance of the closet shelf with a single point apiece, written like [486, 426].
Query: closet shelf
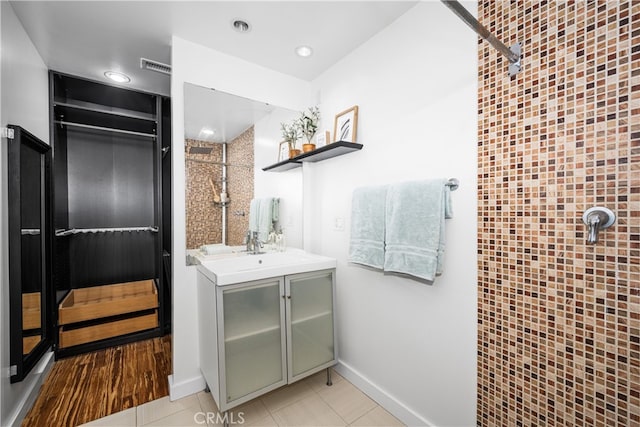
[329, 151]
[62, 233]
[94, 108]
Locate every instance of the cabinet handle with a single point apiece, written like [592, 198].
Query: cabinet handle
[288, 296]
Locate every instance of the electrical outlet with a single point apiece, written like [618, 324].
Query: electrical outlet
[338, 223]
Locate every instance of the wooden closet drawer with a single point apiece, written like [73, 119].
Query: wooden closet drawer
[31, 316]
[70, 337]
[108, 300]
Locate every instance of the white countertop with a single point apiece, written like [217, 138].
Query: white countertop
[240, 267]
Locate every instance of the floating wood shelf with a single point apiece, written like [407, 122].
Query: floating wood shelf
[99, 302]
[334, 149]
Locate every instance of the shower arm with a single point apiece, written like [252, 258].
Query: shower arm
[512, 54]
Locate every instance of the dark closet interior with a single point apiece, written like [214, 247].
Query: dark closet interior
[111, 174]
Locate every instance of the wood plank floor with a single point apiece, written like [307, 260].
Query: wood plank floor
[84, 388]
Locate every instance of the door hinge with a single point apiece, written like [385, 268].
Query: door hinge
[6, 133]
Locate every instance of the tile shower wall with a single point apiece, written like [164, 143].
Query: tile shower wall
[240, 180]
[559, 320]
[204, 219]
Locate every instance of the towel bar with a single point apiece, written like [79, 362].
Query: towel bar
[453, 184]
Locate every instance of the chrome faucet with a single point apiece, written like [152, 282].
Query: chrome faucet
[253, 243]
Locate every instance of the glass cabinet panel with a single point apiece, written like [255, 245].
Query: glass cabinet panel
[253, 338]
[311, 308]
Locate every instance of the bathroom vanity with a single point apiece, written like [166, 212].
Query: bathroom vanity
[265, 321]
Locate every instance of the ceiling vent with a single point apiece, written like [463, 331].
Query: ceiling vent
[156, 66]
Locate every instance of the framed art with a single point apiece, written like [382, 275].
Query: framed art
[346, 125]
[283, 151]
[323, 138]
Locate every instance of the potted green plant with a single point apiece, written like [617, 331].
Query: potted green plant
[291, 133]
[308, 123]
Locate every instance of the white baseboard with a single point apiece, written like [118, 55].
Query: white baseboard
[382, 397]
[186, 387]
[36, 377]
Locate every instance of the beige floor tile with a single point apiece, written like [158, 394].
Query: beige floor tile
[267, 421]
[310, 411]
[161, 408]
[318, 381]
[377, 417]
[206, 402]
[126, 418]
[347, 400]
[284, 396]
[187, 418]
[252, 412]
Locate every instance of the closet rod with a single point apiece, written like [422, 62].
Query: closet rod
[512, 54]
[128, 132]
[61, 233]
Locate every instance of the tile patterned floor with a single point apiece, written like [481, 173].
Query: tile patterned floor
[306, 403]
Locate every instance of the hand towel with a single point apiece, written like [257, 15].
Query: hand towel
[265, 218]
[414, 237]
[368, 226]
[275, 216]
[254, 211]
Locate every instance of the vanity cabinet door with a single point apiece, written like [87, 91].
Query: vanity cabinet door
[310, 332]
[252, 339]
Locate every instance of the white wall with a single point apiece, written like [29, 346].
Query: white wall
[25, 102]
[199, 65]
[412, 346]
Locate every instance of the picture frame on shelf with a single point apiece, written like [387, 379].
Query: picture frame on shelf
[323, 138]
[283, 151]
[346, 125]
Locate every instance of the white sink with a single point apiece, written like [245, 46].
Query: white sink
[245, 268]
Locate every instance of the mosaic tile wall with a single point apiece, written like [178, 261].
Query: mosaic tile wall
[240, 180]
[204, 220]
[559, 320]
[204, 217]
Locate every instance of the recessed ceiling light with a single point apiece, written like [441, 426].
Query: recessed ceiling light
[207, 132]
[304, 51]
[117, 77]
[241, 26]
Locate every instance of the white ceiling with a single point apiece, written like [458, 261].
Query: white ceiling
[86, 38]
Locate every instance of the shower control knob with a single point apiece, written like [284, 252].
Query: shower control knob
[597, 218]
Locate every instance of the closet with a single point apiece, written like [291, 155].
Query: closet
[112, 235]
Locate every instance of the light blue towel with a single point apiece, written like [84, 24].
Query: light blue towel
[368, 226]
[414, 237]
[275, 216]
[265, 218]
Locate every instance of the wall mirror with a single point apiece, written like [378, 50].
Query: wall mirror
[228, 139]
[29, 169]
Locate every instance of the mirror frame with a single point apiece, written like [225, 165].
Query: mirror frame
[22, 364]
